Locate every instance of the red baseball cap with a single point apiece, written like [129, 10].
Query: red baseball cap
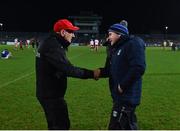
[64, 24]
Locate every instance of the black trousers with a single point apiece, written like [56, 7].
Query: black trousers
[123, 117]
[56, 113]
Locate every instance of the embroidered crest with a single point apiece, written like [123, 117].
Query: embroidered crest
[119, 52]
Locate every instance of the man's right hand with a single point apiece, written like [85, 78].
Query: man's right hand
[97, 73]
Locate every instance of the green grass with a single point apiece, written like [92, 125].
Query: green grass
[89, 101]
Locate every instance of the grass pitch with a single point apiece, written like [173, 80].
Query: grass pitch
[89, 101]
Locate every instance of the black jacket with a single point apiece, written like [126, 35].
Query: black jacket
[53, 68]
[125, 66]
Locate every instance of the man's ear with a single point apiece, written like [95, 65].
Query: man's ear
[61, 32]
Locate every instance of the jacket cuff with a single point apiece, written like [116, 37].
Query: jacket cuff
[88, 74]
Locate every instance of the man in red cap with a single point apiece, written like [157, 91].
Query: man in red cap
[52, 70]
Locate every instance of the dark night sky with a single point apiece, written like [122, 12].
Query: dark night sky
[143, 16]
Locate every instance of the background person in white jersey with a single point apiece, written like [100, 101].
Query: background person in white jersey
[16, 43]
[96, 43]
[27, 43]
[91, 44]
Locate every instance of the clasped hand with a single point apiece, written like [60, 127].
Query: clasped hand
[97, 73]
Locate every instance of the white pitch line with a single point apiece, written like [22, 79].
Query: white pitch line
[21, 77]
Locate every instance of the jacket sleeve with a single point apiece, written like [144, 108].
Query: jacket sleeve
[57, 57]
[137, 64]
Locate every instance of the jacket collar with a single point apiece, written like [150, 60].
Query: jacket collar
[120, 42]
[61, 40]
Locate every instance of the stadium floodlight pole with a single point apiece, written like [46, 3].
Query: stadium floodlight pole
[1, 24]
[166, 29]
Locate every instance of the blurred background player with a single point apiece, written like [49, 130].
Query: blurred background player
[16, 43]
[96, 43]
[27, 43]
[21, 44]
[91, 44]
[5, 54]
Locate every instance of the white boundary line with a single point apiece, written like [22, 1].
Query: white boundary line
[24, 76]
[19, 78]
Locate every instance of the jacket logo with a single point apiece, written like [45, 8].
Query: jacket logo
[119, 52]
[38, 55]
[115, 113]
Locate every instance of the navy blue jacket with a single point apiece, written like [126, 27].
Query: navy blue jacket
[125, 66]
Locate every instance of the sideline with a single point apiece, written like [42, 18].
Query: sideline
[19, 78]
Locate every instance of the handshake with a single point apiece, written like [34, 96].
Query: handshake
[97, 73]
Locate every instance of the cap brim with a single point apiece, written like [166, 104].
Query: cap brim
[73, 28]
